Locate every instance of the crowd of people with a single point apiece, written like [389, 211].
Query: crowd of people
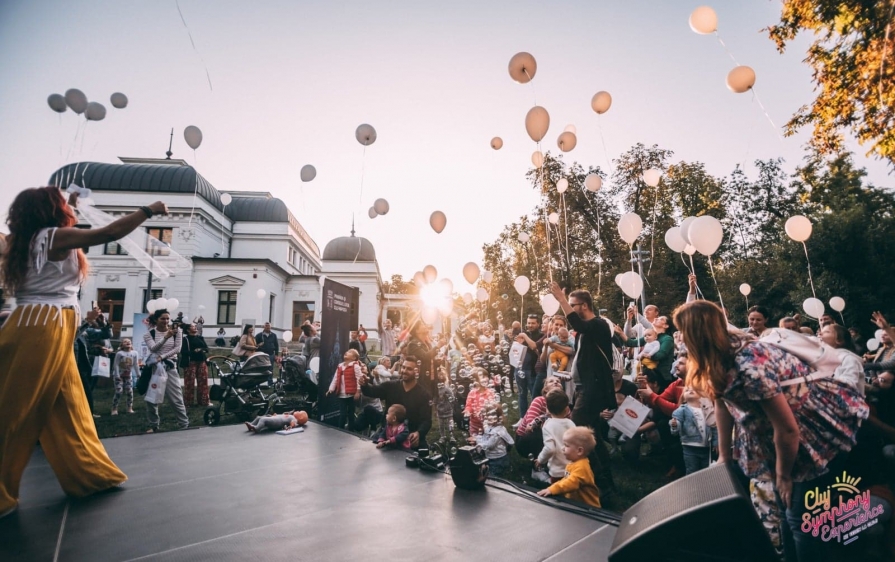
[755, 398]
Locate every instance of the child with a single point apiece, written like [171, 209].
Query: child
[345, 383]
[553, 430]
[124, 370]
[559, 359]
[275, 422]
[650, 349]
[444, 405]
[694, 421]
[578, 483]
[394, 434]
[479, 400]
[494, 440]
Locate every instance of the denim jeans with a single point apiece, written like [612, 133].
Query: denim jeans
[539, 384]
[695, 458]
[523, 382]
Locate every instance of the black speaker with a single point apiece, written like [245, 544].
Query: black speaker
[469, 468]
[704, 516]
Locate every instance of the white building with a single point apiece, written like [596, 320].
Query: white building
[253, 243]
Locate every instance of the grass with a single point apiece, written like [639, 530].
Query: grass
[633, 481]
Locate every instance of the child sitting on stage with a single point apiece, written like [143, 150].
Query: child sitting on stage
[494, 440]
[394, 434]
[553, 430]
[275, 422]
[578, 483]
[124, 371]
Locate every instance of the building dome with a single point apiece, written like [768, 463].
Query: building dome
[349, 248]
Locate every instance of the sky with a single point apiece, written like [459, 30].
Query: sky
[291, 81]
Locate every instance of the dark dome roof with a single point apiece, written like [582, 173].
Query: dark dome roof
[258, 209]
[136, 177]
[349, 248]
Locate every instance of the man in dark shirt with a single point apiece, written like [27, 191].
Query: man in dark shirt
[409, 394]
[591, 372]
[525, 374]
[267, 343]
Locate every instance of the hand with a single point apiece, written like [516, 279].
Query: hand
[170, 333]
[556, 291]
[537, 464]
[414, 439]
[645, 392]
[880, 320]
[91, 315]
[641, 381]
[620, 332]
[630, 313]
[606, 414]
[73, 199]
[158, 208]
[784, 488]
[673, 423]
[362, 380]
[691, 281]
[544, 493]
[328, 392]
[470, 441]
[380, 445]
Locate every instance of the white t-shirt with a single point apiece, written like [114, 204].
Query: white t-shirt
[551, 454]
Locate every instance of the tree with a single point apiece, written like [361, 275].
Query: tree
[397, 286]
[853, 58]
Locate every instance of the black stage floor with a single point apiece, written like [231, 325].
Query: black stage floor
[224, 494]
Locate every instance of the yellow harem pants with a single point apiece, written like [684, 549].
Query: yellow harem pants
[42, 398]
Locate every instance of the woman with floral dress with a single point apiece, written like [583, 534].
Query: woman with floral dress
[786, 430]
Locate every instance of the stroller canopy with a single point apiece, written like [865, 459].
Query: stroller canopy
[256, 363]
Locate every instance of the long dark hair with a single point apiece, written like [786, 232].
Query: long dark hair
[32, 210]
[709, 351]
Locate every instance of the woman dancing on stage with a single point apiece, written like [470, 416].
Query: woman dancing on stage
[41, 395]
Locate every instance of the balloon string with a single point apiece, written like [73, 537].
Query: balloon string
[74, 142]
[193, 43]
[546, 222]
[720, 298]
[766, 114]
[842, 317]
[652, 241]
[605, 150]
[810, 278]
[533, 91]
[566, 225]
[363, 159]
[196, 189]
[747, 304]
[718, 35]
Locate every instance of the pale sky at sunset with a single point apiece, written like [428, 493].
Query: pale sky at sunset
[292, 80]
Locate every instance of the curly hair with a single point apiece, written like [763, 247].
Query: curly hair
[32, 210]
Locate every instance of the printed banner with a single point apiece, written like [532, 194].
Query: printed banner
[335, 324]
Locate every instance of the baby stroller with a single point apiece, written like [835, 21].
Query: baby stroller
[242, 391]
[295, 378]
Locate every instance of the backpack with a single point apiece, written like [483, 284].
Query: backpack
[823, 359]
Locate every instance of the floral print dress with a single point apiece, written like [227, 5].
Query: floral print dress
[828, 412]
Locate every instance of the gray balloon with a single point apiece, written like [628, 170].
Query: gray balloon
[95, 111]
[381, 206]
[372, 213]
[308, 172]
[365, 134]
[76, 100]
[193, 136]
[57, 103]
[119, 100]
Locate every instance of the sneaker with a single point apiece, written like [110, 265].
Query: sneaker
[150, 430]
[96, 416]
[114, 412]
[540, 476]
[516, 425]
[130, 410]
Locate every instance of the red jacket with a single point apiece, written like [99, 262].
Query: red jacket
[350, 374]
[668, 401]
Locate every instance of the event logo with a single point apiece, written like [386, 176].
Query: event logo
[844, 521]
[631, 413]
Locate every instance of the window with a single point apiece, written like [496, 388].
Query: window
[226, 307]
[271, 309]
[156, 294]
[166, 235]
[114, 249]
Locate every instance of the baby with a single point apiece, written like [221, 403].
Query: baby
[394, 434]
[274, 422]
[650, 349]
[559, 359]
[494, 440]
[578, 483]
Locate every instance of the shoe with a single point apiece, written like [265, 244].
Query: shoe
[150, 430]
[95, 416]
[114, 412]
[130, 410]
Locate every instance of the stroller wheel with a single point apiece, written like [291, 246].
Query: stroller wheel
[212, 416]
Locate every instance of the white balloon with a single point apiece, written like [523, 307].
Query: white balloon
[629, 227]
[706, 234]
[447, 286]
[601, 102]
[193, 136]
[689, 249]
[537, 159]
[287, 336]
[837, 304]
[522, 67]
[371, 212]
[76, 100]
[161, 304]
[878, 335]
[703, 20]
[429, 315]
[567, 141]
[651, 177]
[151, 306]
[314, 364]
[524, 237]
[95, 111]
[593, 182]
[201, 307]
[487, 276]
[57, 103]
[365, 134]
[674, 240]
[553, 218]
[522, 284]
[438, 221]
[173, 304]
[419, 279]
[872, 344]
[745, 289]
[497, 143]
[308, 173]
[381, 206]
[631, 284]
[813, 307]
[471, 272]
[562, 185]
[549, 304]
[118, 100]
[481, 295]
[260, 293]
[798, 228]
[618, 280]
[430, 274]
[685, 228]
[537, 121]
[467, 298]
[226, 199]
[571, 129]
[741, 79]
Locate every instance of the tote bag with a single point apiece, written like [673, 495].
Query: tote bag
[101, 366]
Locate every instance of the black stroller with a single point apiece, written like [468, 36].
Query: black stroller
[241, 392]
[295, 378]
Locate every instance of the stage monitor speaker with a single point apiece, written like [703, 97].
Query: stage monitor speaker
[704, 516]
[469, 468]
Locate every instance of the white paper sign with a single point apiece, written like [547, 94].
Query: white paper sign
[517, 353]
[629, 416]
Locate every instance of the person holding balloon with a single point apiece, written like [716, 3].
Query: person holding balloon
[884, 358]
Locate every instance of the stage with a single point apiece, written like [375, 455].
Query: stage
[224, 494]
